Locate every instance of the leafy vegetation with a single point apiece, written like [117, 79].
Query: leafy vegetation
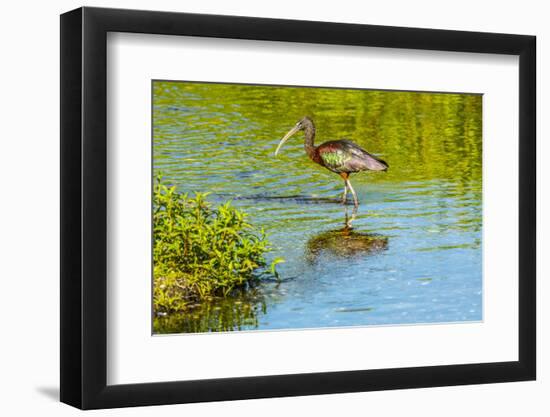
[201, 252]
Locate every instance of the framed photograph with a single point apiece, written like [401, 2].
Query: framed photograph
[258, 208]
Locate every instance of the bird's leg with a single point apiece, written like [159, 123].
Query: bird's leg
[355, 200]
[345, 177]
[349, 220]
[345, 195]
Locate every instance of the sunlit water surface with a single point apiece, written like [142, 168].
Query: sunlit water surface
[414, 252]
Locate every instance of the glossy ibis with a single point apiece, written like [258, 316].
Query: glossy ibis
[340, 156]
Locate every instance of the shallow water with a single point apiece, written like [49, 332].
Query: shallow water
[413, 254]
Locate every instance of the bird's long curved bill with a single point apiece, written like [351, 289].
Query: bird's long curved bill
[287, 137]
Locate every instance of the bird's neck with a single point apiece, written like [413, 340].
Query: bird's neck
[309, 146]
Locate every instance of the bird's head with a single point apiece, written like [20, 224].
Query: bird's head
[302, 124]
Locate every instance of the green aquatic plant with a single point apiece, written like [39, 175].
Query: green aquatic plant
[201, 252]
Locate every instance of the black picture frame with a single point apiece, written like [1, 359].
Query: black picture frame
[84, 207]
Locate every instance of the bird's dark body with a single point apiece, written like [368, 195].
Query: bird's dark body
[343, 156]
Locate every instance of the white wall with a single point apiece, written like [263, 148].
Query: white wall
[29, 223]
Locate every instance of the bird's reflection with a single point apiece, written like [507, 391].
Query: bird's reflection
[345, 242]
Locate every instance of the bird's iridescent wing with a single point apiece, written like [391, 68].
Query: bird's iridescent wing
[346, 156]
[333, 157]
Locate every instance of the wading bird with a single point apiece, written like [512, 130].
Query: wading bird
[340, 156]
